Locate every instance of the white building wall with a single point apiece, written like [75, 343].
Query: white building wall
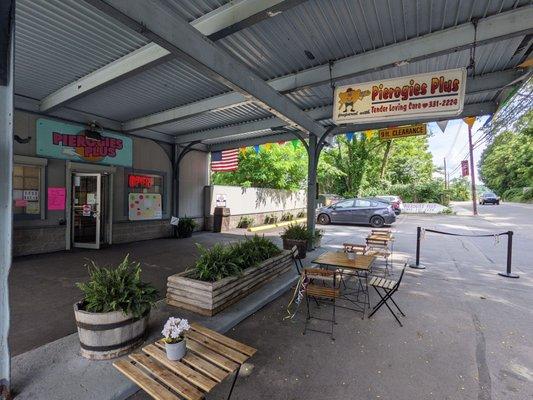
[242, 200]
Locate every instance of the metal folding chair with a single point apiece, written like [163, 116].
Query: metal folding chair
[321, 293]
[389, 287]
[297, 261]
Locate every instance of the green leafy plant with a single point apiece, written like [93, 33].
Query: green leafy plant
[287, 216]
[296, 232]
[301, 214]
[222, 261]
[117, 289]
[271, 219]
[186, 227]
[245, 222]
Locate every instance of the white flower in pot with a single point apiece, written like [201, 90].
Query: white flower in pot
[174, 337]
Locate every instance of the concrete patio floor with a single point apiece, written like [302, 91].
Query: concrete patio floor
[43, 287]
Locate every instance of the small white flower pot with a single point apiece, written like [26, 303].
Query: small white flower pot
[176, 351]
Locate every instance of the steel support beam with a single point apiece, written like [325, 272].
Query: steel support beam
[153, 20]
[7, 29]
[317, 114]
[216, 25]
[480, 84]
[475, 109]
[273, 138]
[31, 106]
[498, 27]
[312, 163]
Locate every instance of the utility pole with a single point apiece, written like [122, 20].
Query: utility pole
[470, 122]
[445, 175]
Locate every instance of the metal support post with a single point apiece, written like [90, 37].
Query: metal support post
[7, 12]
[311, 186]
[417, 265]
[508, 273]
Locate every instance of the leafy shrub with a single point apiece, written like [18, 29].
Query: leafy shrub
[301, 214]
[217, 262]
[186, 227]
[296, 232]
[222, 261]
[257, 249]
[287, 216]
[271, 219]
[117, 289]
[245, 222]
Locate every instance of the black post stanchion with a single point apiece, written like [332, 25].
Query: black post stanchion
[508, 273]
[417, 265]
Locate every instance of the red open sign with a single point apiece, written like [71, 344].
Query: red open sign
[140, 181]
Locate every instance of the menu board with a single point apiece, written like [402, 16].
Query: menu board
[143, 206]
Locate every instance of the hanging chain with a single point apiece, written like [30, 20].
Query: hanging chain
[472, 64]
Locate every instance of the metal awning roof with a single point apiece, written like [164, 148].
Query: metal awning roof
[74, 59]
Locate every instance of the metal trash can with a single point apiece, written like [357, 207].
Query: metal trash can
[221, 219]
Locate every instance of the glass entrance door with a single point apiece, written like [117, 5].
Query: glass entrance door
[86, 210]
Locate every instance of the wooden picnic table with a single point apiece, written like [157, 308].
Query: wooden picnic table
[211, 357]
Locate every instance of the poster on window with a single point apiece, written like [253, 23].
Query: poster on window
[143, 206]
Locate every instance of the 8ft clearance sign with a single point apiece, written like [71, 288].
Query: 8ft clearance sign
[436, 94]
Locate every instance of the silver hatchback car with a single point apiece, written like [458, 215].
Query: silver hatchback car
[357, 211]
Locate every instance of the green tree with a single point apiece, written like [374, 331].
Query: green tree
[279, 167]
[354, 168]
[506, 164]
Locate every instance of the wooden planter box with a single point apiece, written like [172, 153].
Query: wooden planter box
[209, 298]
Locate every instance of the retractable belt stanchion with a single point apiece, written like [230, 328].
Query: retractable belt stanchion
[507, 273]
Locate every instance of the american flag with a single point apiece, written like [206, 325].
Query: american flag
[225, 160]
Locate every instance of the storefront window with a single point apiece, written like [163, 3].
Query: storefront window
[26, 190]
[146, 183]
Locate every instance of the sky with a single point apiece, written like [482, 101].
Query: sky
[453, 144]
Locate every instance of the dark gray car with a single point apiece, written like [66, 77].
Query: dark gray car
[357, 211]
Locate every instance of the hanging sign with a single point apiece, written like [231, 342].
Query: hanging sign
[464, 168]
[68, 141]
[402, 131]
[434, 94]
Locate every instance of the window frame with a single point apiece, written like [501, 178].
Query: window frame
[41, 163]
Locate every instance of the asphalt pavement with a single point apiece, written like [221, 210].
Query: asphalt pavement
[467, 333]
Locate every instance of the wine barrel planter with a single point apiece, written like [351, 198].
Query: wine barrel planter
[209, 298]
[108, 335]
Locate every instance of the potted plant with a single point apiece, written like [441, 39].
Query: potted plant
[186, 227]
[174, 338]
[296, 235]
[112, 317]
[245, 222]
[317, 242]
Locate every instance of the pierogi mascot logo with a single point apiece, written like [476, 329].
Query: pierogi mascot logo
[350, 97]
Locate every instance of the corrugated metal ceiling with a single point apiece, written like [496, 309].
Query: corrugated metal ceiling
[216, 118]
[59, 41]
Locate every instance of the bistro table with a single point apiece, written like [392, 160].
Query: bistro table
[357, 265]
[211, 357]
